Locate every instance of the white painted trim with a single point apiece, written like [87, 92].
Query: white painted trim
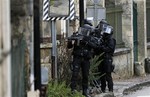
[6, 34]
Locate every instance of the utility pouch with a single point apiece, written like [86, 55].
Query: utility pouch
[112, 67]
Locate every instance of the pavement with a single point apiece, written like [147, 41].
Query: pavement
[125, 86]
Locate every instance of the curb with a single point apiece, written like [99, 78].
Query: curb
[105, 95]
[135, 87]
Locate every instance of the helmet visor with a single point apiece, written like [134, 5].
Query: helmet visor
[84, 31]
[106, 29]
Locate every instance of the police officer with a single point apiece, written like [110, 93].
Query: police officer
[107, 47]
[82, 53]
[99, 28]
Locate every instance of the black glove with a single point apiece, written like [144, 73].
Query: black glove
[100, 47]
[93, 45]
[69, 43]
[86, 39]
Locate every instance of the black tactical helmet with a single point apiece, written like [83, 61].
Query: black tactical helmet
[100, 27]
[88, 22]
[103, 21]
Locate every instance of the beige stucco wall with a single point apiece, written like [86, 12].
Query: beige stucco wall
[148, 52]
[127, 32]
[142, 36]
[121, 60]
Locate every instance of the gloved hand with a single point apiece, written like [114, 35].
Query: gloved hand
[86, 38]
[69, 43]
[101, 47]
[93, 45]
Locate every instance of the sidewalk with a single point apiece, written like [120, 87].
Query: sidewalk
[129, 85]
[125, 86]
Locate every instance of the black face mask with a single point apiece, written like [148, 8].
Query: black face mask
[106, 36]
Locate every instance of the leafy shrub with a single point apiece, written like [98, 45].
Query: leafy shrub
[93, 72]
[56, 89]
[64, 61]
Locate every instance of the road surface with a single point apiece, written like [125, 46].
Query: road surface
[144, 92]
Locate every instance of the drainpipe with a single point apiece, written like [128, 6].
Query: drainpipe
[37, 62]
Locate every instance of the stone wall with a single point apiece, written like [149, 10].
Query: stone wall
[20, 19]
[21, 31]
[127, 29]
[121, 60]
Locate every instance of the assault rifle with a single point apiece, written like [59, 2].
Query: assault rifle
[90, 40]
[77, 37]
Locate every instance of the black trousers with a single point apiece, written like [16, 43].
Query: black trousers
[106, 80]
[105, 68]
[84, 64]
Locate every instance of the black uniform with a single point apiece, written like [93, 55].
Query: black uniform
[81, 56]
[82, 53]
[107, 47]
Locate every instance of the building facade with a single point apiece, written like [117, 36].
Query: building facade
[129, 18]
[131, 30]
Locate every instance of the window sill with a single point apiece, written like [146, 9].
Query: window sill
[120, 51]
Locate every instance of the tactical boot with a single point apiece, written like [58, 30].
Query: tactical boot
[85, 93]
[110, 90]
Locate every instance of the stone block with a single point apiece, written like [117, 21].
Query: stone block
[139, 69]
[109, 94]
[33, 93]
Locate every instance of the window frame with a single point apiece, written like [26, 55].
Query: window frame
[116, 22]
